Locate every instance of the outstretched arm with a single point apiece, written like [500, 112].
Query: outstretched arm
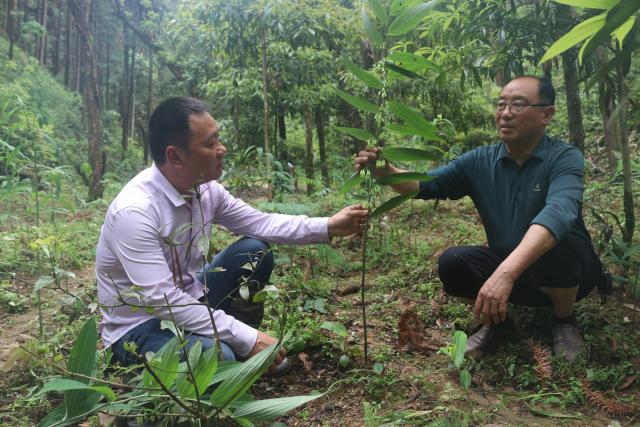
[369, 158]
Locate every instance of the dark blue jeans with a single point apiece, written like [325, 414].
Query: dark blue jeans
[249, 261]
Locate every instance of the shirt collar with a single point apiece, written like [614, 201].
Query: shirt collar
[165, 186]
[538, 153]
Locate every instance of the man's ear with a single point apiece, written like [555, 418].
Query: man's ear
[174, 155]
[548, 114]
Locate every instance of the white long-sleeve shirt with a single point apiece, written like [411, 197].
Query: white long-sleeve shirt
[149, 238]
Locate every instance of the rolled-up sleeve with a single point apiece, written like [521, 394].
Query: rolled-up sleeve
[564, 197]
[135, 242]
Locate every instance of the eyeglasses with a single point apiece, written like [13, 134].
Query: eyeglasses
[516, 107]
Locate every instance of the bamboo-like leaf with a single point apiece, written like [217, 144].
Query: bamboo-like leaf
[410, 130]
[203, 371]
[65, 384]
[368, 78]
[402, 71]
[83, 359]
[357, 102]
[465, 379]
[616, 17]
[399, 178]
[393, 203]
[460, 344]
[411, 61]
[622, 31]
[370, 28]
[225, 369]
[378, 11]
[410, 18]
[414, 119]
[353, 181]
[164, 364]
[403, 154]
[270, 409]
[360, 134]
[243, 376]
[335, 327]
[590, 4]
[583, 30]
[399, 6]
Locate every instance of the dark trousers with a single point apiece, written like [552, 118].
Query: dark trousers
[464, 269]
[247, 261]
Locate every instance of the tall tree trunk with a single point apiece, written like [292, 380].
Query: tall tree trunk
[322, 146]
[236, 113]
[629, 215]
[57, 30]
[12, 25]
[42, 40]
[107, 79]
[308, 145]
[574, 105]
[265, 121]
[132, 88]
[611, 127]
[125, 117]
[282, 135]
[149, 107]
[80, 10]
[67, 47]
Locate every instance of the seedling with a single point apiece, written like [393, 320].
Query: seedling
[455, 351]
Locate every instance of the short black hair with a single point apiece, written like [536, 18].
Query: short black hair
[169, 125]
[546, 92]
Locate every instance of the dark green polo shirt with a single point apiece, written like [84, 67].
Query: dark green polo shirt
[545, 190]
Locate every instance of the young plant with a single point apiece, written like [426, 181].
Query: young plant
[391, 20]
[455, 351]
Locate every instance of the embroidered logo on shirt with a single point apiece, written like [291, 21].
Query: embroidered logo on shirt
[537, 187]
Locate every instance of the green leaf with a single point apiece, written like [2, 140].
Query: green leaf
[460, 345]
[577, 34]
[335, 327]
[393, 203]
[402, 71]
[354, 180]
[370, 28]
[403, 154]
[368, 78]
[415, 120]
[410, 131]
[164, 364]
[410, 18]
[270, 409]
[360, 134]
[378, 11]
[183, 379]
[411, 61]
[83, 359]
[590, 4]
[622, 31]
[399, 178]
[465, 379]
[65, 384]
[42, 282]
[616, 17]
[241, 378]
[378, 368]
[203, 372]
[399, 6]
[357, 102]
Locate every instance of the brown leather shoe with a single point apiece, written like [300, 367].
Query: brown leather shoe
[566, 341]
[479, 341]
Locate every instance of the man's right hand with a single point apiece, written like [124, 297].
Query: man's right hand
[369, 157]
[263, 341]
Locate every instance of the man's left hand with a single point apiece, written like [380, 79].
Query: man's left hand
[347, 221]
[491, 303]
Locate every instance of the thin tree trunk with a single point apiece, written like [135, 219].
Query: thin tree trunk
[12, 27]
[629, 215]
[67, 47]
[57, 30]
[132, 88]
[282, 135]
[574, 105]
[80, 10]
[322, 146]
[125, 117]
[610, 134]
[265, 121]
[308, 144]
[107, 79]
[149, 107]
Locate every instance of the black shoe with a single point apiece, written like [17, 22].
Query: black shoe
[566, 341]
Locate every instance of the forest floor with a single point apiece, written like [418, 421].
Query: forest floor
[412, 383]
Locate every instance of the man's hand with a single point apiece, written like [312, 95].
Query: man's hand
[369, 157]
[347, 221]
[263, 341]
[492, 299]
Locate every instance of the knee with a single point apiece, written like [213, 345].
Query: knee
[260, 253]
[449, 266]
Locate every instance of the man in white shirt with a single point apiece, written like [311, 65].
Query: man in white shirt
[149, 260]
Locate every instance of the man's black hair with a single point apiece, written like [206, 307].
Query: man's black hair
[546, 92]
[169, 125]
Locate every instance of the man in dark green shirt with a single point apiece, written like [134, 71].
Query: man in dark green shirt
[528, 191]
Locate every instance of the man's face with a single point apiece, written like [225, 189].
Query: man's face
[204, 159]
[527, 126]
